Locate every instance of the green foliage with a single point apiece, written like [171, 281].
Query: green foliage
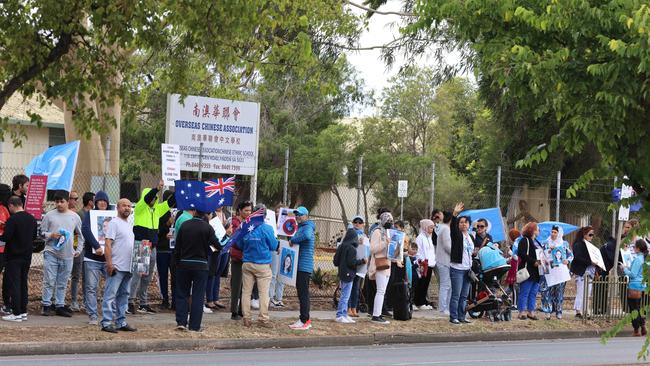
[100, 52]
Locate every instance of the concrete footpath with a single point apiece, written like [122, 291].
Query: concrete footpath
[166, 320]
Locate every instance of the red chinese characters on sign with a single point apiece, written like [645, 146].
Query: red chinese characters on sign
[196, 111]
[236, 113]
[206, 111]
[226, 113]
[215, 111]
[35, 195]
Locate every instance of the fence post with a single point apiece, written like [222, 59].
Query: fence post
[359, 184]
[433, 185]
[285, 192]
[499, 186]
[107, 161]
[557, 196]
[201, 161]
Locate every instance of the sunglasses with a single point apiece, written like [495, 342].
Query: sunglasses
[480, 226]
[74, 198]
[357, 222]
[590, 235]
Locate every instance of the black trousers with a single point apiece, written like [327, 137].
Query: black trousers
[421, 289]
[635, 304]
[16, 274]
[302, 285]
[235, 287]
[6, 298]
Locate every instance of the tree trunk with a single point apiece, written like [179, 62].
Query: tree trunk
[344, 216]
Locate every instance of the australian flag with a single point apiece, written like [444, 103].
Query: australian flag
[220, 191]
[192, 195]
[251, 223]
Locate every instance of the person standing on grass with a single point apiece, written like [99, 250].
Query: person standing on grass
[528, 259]
[58, 229]
[426, 258]
[19, 234]
[462, 246]
[363, 252]
[257, 247]
[118, 251]
[346, 261]
[193, 243]
[244, 210]
[94, 260]
[637, 285]
[146, 217]
[443, 261]
[5, 193]
[304, 238]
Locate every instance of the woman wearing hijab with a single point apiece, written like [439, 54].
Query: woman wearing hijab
[581, 266]
[558, 253]
[426, 260]
[526, 252]
[379, 267]
[637, 285]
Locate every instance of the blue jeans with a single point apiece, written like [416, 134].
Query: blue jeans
[163, 259]
[116, 299]
[55, 279]
[93, 271]
[190, 281]
[527, 295]
[354, 296]
[459, 292]
[346, 289]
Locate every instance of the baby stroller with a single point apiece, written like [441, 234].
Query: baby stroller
[487, 296]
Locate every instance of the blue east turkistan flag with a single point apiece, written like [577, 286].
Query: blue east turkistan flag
[616, 197]
[58, 163]
[546, 226]
[191, 195]
[493, 218]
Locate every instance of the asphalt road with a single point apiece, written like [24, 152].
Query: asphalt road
[529, 353]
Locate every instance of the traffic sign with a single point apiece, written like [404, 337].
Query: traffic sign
[402, 188]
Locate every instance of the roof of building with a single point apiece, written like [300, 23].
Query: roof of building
[16, 109]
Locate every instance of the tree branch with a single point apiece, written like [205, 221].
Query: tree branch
[371, 10]
[61, 48]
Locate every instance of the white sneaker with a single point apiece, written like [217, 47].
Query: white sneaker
[297, 325]
[350, 320]
[93, 322]
[24, 316]
[207, 310]
[255, 304]
[415, 308]
[341, 319]
[12, 318]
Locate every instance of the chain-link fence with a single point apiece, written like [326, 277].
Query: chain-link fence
[333, 206]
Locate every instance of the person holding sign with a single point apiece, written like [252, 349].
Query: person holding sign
[94, 268]
[637, 286]
[346, 261]
[559, 257]
[582, 266]
[379, 267]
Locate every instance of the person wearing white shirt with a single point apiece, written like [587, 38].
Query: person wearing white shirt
[426, 259]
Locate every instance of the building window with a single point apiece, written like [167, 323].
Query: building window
[57, 136]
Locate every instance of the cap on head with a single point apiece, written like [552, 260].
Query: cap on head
[301, 211]
[358, 219]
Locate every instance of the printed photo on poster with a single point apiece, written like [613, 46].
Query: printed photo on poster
[627, 257]
[287, 224]
[396, 245]
[288, 259]
[141, 258]
[544, 267]
[99, 220]
[558, 256]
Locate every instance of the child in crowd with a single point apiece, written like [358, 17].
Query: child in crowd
[346, 261]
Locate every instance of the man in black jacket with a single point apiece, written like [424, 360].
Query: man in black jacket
[194, 241]
[19, 234]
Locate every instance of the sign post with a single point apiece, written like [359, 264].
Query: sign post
[35, 195]
[623, 215]
[402, 191]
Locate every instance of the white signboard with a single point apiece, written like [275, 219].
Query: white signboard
[171, 163]
[402, 188]
[624, 211]
[595, 256]
[229, 131]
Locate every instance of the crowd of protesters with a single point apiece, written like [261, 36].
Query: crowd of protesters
[192, 260]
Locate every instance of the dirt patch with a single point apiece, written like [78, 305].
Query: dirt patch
[235, 330]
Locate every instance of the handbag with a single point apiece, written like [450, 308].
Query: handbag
[634, 294]
[382, 264]
[522, 275]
